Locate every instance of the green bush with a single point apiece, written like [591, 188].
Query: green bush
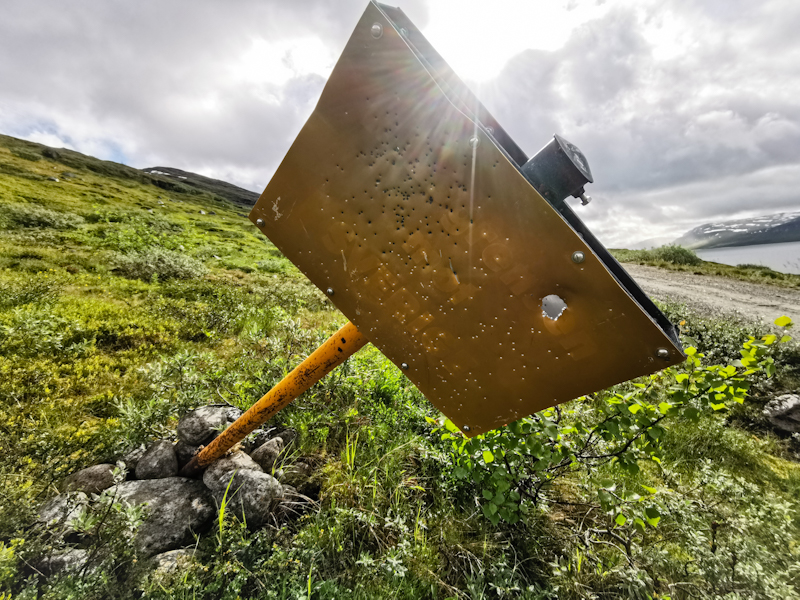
[677, 255]
[159, 263]
[31, 215]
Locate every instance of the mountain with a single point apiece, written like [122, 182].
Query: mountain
[166, 178]
[224, 189]
[767, 229]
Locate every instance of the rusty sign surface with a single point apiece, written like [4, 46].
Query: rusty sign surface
[402, 207]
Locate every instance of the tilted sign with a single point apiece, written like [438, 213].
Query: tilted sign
[402, 205]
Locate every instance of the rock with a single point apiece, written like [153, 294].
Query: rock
[267, 454]
[253, 495]
[91, 480]
[132, 457]
[53, 179]
[184, 452]
[784, 412]
[258, 437]
[288, 436]
[219, 473]
[202, 212]
[59, 513]
[292, 504]
[177, 509]
[68, 175]
[203, 424]
[158, 462]
[69, 561]
[172, 561]
[297, 474]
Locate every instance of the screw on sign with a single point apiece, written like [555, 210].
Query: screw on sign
[446, 246]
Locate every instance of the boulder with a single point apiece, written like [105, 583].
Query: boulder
[184, 452]
[267, 454]
[177, 508]
[68, 561]
[292, 504]
[172, 561]
[203, 424]
[132, 457]
[91, 480]
[158, 462]
[219, 473]
[784, 413]
[252, 497]
[297, 474]
[59, 513]
[288, 436]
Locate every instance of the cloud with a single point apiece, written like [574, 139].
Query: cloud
[688, 111]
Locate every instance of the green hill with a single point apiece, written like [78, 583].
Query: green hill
[128, 297]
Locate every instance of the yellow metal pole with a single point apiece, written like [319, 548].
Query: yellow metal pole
[336, 349]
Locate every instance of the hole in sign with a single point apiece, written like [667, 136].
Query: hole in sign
[553, 307]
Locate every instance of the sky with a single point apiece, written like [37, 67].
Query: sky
[687, 110]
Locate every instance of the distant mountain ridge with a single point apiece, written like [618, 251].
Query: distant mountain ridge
[767, 229]
[166, 178]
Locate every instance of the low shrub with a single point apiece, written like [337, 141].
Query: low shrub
[31, 215]
[157, 262]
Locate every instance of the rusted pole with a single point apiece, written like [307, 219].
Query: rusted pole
[336, 349]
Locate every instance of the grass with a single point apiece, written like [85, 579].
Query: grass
[676, 258]
[107, 337]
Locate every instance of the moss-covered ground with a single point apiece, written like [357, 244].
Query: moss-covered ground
[125, 302]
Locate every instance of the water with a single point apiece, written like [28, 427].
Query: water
[779, 257]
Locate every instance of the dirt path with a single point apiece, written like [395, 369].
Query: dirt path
[718, 294]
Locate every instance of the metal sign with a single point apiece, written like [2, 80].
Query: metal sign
[405, 209]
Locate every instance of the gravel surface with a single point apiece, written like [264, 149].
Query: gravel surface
[709, 293]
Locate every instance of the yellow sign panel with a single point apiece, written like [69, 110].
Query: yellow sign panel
[430, 240]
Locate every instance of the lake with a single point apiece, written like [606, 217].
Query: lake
[779, 257]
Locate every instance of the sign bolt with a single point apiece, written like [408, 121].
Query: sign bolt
[377, 30]
[578, 257]
[662, 353]
[260, 222]
[329, 291]
[404, 366]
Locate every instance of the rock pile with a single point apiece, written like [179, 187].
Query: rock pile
[256, 481]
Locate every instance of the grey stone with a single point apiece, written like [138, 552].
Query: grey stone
[59, 513]
[132, 457]
[219, 473]
[184, 452]
[177, 508]
[203, 424]
[91, 480]
[292, 504]
[289, 436]
[69, 561]
[53, 179]
[158, 462]
[257, 438]
[252, 497]
[297, 474]
[784, 412]
[172, 561]
[267, 454]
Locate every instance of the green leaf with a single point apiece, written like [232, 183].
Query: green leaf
[664, 407]
[786, 338]
[498, 499]
[639, 524]
[718, 406]
[488, 457]
[487, 494]
[634, 408]
[460, 472]
[783, 321]
[621, 519]
[690, 351]
[653, 516]
[650, 490]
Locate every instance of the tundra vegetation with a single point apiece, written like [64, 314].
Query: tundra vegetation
[122, 305]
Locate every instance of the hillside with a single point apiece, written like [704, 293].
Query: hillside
[128, 298]
[767, 229]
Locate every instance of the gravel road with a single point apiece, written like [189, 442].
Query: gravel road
[709, 293]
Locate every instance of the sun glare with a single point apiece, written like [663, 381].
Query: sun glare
[278, 61]
[477, 39]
